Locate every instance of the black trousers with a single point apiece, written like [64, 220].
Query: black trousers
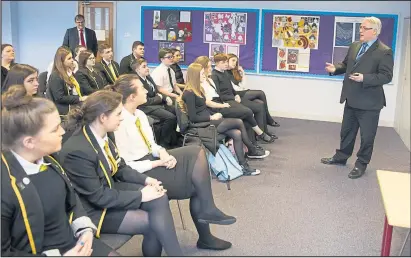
[167, 135]
[367, 122]
[258, 110]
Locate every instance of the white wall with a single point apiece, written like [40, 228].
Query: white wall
[40, 32]
[402, 111]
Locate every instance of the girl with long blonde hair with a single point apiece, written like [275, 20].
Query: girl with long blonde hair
[194, 104]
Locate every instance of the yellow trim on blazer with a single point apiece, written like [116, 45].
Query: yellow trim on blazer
[22, 207]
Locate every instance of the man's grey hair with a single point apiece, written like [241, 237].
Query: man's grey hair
[375, 23]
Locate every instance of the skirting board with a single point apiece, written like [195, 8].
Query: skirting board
[322, 118]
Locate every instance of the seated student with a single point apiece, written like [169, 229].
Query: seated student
[182, 171]
[237, 77]
[137, 52]
[41, 214]
[7, 60]
[63, 87]
[227, 94]
[107, 66]
[165, 77]
[116, 197]
[78, 50]
[25, 75]
[176, 68]
[89, 79]
[193, 103]
[155, 107]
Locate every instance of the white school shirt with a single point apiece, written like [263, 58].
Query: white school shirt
[131, 144]
[241, 86]
[84, 35]
[161, 79]
[209, 91]
[102, 142]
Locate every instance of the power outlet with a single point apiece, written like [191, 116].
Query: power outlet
[127, 34]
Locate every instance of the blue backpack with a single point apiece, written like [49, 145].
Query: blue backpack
[224, 165]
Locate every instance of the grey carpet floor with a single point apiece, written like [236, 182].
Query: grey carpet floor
[298, 206]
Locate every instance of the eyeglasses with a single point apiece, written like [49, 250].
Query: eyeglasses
[91, 58]
[365, 28]
[169, 57]
[80, 22]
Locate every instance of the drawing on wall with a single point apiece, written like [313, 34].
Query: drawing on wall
[225, 27]
[343, 34]
[172, 25]
[176, 45]
[233, 49]
[293, 59]
[296, 31]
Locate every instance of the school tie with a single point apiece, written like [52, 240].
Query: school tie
[362, 51]
[76, 85]
[82, 42]
[140, 130]
[43, 167]
[110, 66]
[169, 77]
[111, 159]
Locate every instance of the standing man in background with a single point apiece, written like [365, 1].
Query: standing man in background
[367, 67]
[80, 35]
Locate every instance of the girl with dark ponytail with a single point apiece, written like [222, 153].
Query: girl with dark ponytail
[118, 199]
[35, 222]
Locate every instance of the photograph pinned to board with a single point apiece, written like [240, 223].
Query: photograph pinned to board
[225, 27]
[172, 34]
[293, 59]
[185, 16]
[346, 31]
[176, 45]
[185, 32]
[233, 49]
[156, 19]
[216, 48]
[296, 31]
[159, 34]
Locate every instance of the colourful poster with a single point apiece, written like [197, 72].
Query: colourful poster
[172, 25]
[296, 31]
[293, 59]
[225, 27]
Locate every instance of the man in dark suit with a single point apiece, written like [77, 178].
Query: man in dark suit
[80, 35]
[108, 67]
[367, 67]
[137, 52]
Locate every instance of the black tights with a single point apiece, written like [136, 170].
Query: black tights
[260, 95]
[155, 222]
[235, 129]
[202, 199]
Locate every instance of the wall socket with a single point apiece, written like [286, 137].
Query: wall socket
[127, 34]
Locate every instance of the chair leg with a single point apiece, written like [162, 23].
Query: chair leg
[184, 140]
[181, 214]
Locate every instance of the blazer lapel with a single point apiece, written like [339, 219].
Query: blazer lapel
[366, 54]
[76, 37]
[95, 145]
[30, 199]
[89, 40]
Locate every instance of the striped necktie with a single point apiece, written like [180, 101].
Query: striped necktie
[111, 159]
[110, 66]
[140, 130]
[362, 50]
[43, 167]
[76, 85]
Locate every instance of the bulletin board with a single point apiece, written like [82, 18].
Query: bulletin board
[299, 43]
[199, 31]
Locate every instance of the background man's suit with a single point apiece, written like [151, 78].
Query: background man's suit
[363, 100]
[71, 40]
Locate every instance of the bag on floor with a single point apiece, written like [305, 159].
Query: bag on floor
[224, 165]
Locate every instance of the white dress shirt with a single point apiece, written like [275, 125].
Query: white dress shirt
[29, 168]
[241, 85]
[102, 142]
[84, 35]
[161, 79]
[131, 144]
[209, 91]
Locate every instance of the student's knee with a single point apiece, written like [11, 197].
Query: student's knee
[236, 134]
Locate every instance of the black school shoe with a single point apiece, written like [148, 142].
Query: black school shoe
[214, 244]
[247, 171]
[265, 138]
[258, 153]
[216, 217]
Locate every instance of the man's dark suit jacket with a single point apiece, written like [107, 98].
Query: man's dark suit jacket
[105, 71]
[71, 40]
[376, 64]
